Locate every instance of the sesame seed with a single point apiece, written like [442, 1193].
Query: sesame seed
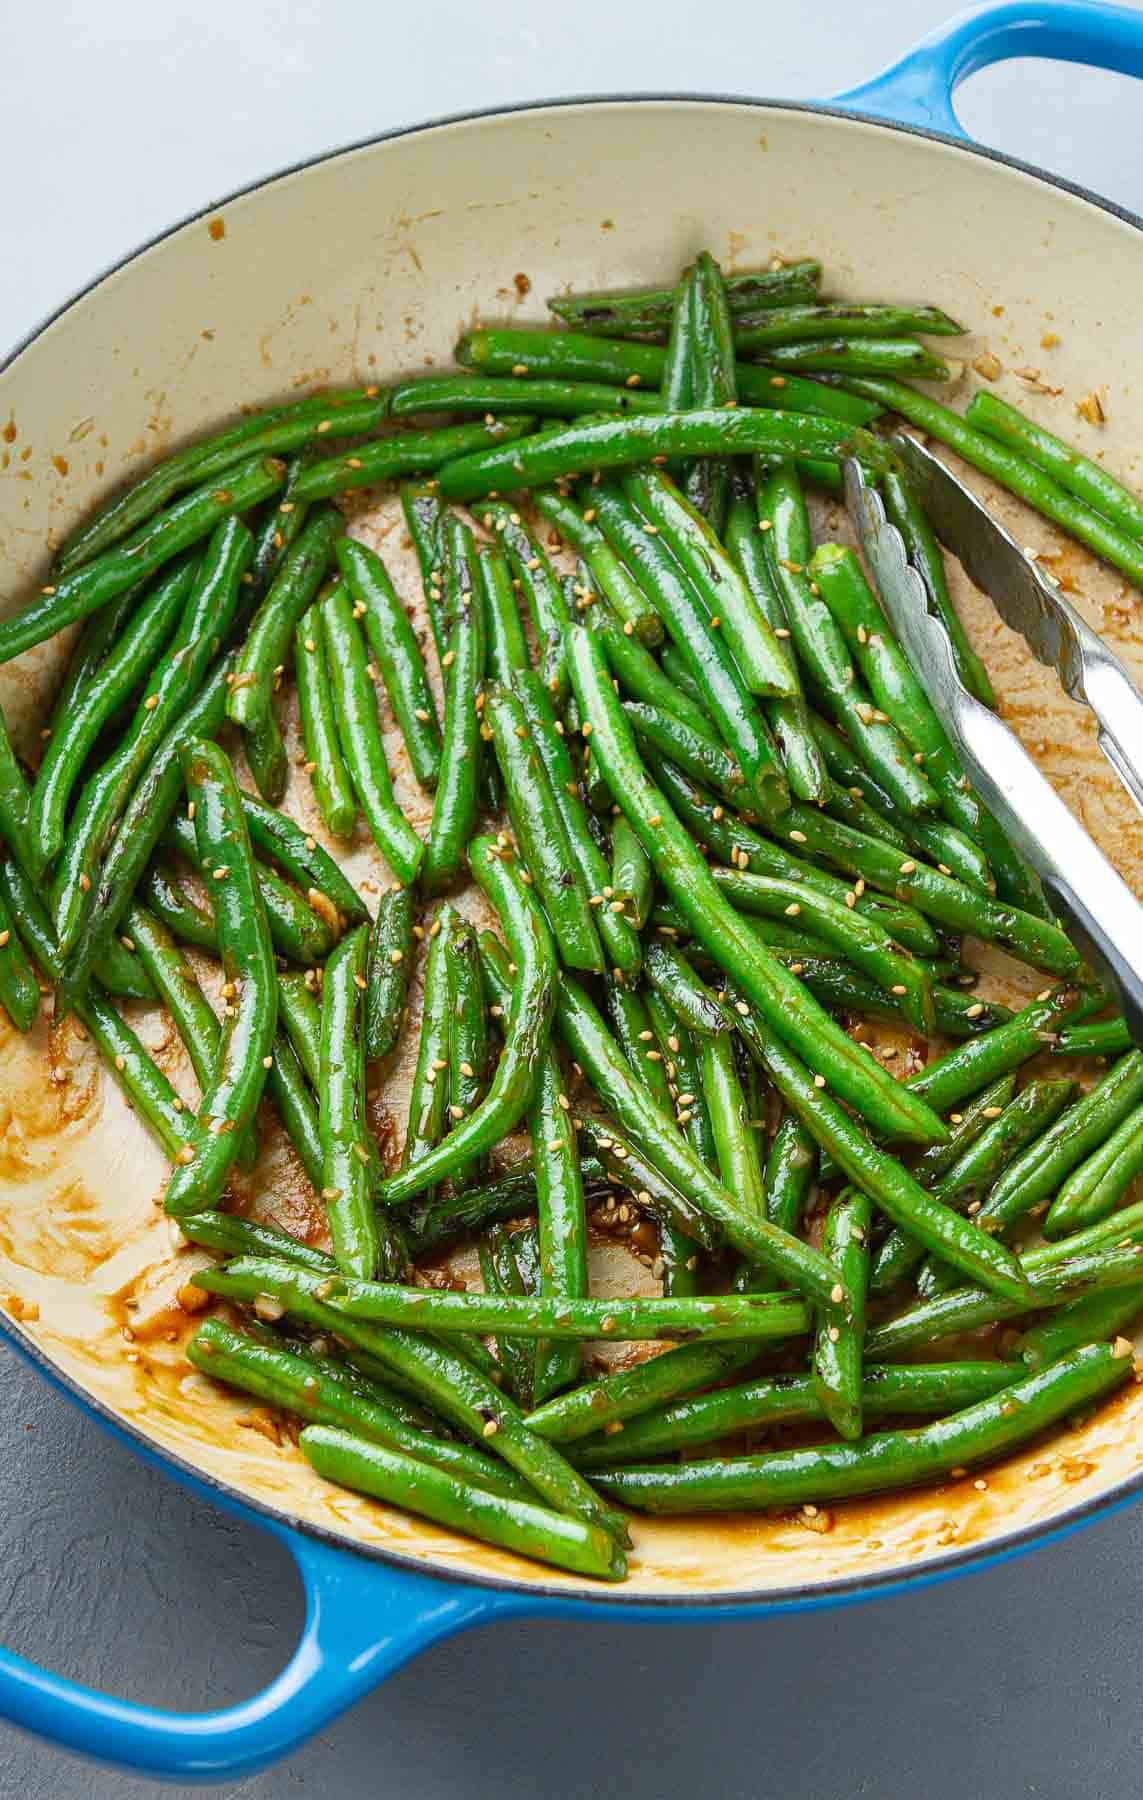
[819, 1081]
[907, 868]
[797, 837]
[837, 1293]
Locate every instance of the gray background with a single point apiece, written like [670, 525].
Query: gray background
[117, 119]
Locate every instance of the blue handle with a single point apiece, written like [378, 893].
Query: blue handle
[363, 1620]
[919, 89]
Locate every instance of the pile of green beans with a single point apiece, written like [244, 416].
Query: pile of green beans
[668, 742]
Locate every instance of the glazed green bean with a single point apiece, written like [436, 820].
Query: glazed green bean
[280, 522]
[276, 835]
[859, 356]
[428, 1092]
[1089, 481]
[889, 1459]
[698, 753]
[424, 516]
[127, 662]
[613, 314]
[272, 629]
[839, 986]
[293, 1100]
[561, 451]
[1103, 1037]
[638, 672]
[86, 589]
[536, 580]
[677, 863]
[265, 752]
[968, 1067]
[455, 802]
[324, 764]
[468, 1036]
[785, 1399]
[683, 990]
[405, 453]
[1081, 1322]
[19, 989]
[739, 1160]
[1097, 1185]
[230, 1099]
[1010, 470]
[539, 824]
[95, 643]
[908, 515]
[359, 728]
[558, 398]
[396, 653]
[790, 1172]
[840, 1336]
[820, 646]
[16, 828]
[341, 1099]
[501, 1275]
[838, 319]
[631, 1023]
[683, 1066]
[299, 1013]
[632, 878]
[388, 970]
[297, 931]
[578, 526]
[626, 1393]
[504, 634]
[706, 482]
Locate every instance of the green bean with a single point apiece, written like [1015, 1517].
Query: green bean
[790, 1172]
[85, 590]
[281, 521]
[510, 1195]
[276, 835]
[785, 1399]
[618, 933]
[15, 824]
[1044, 1165]
[678, 385]
[712, 356]
[968, 1308]
[19, 989]
[504, 634]
[1089, 481]
[1034, 940]
[968, 1067]
[359, 728]
[613, 314]
[428, 1092]
[536, 580]
[698, 753]
[126, 663]
[210, 601]
[840, 1336]
[561, 451]
[1099, 1183]
[762, 659]
[424, 516]
[231, 1097]
[686, 994]
[341, 1097]
[1010, 470]
[455, 802]
[406, 453]
[95, 643]
[487, 394]
[862, 940]
[579, 357]
[631, 1023]
[143, 823]
[231, 1235]
[299, 1012]
[839, 319]
[607, 569]
[821, 648]
[859, 356]
[271, 632]
[1081, 1322]
[298, 932]
[396, 653]
[683, 1065]
[638, 672]
[1103, 1037]
[739, 1161]
[889, 1459]
[468, 1035]
[501, 1275]
[528, 1530]
[325, 764]
[442, 1376]
[732, 708]
[624, 1394]
[908, 515]
[541, 832]
[841, 987]
[878, 1174]
[388, 971]
[632, 878]
[288, 1088]
[265, 752]
[716, 926]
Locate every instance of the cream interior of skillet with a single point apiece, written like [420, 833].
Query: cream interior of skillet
[87, 1262]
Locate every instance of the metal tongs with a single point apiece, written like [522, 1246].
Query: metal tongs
[1105, 918]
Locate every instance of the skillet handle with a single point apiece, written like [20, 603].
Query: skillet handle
[919, 89]
[363, 1620]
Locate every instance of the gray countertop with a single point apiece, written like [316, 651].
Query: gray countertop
[1019, 1681]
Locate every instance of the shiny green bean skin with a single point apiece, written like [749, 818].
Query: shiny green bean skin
[537, 582]
[407, 453]
[631, 1023]
[880, 1175]
[968, 1067]
[791, 1168]
[229, 1102]
[637, 671]
[841, 987]
[838, 319]
[15, 824]
[532, 1531]
[341, 1115]
[716, 926]
[85, 590]
[1081, 1322]
[428, 1091]
[1088, 480]
[632, 878]
[699, 753]
[769, 1400]
[455, 803]
[396, 653]
[1096, 1187]
[626, 1393]
[280, 522]
[685, 992]
[739, 1160]
[293, 1100]
[578, 357]
[325, 765]
[468, 1037]
[504, 634]
[1047, 1162]
[128, 661]
[19, 989]
[438, 1374]
[278, 836]
[890, 1459]
[271, 632]
[618, 931]
[859, 356]
[578, 526]
[541, 833]
[142, 825]
[316, 1389]
[297, 931]
[265, 753]
[819, 644]
[908, 515]
[563, 451]
[231, 1235]
[424, 516]
[618, 314]
[388, 971]
[299, 1014]
[359, 729]
[838, 1355]
[559, 399]
[211, 599]
[1103, 1037]
[733, 710]
[683, 1066]
[1010, 470]
[511, 1195]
